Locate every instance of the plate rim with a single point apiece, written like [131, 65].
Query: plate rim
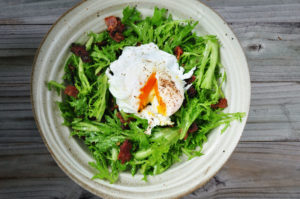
[65, 170]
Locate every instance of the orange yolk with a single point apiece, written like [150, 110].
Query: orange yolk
[145, 96]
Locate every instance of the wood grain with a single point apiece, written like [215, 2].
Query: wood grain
[266, 163]
[257, 10]
[33, 11]
[257, 170]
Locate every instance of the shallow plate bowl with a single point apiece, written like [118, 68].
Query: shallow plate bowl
[73, 157]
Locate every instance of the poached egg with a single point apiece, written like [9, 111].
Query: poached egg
[149, 83]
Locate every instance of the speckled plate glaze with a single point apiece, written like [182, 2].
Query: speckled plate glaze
[72, 156]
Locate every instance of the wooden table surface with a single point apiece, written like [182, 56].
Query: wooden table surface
[266, 162]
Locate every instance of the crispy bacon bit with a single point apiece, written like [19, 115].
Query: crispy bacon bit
[82, 52]
[71, 91]
[221, 104]
[116, 36]
[178, 52]
[125, 154]
[192, 92]
[191, 80]
[193, 128]
[124, 123]
[114, 24]
[101, 44]
[111, 23]
[78, 49]
[122, 120]
[115, 28]
[120, 26]
[114, 107]
[86, 58]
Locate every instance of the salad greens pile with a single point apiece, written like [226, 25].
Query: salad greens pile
[93, 117]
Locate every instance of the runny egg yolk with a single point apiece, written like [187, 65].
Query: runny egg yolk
[146, 96]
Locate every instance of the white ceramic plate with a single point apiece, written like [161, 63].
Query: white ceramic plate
[71, 155]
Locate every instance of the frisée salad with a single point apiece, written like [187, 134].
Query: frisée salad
[142, 93]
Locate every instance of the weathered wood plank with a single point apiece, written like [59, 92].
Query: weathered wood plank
[274, 112]
[16, 166]
[257, 11]
[12, 52]
[33, 11]
[272, 50]
[16, 71]
[43, 188]
[41, 12]
[257, 170]
[251, 172]
[22, 36]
